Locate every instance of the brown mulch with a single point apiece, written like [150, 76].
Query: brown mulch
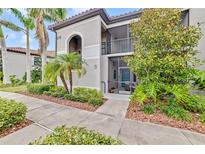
[134, 112]
[79, 105]
[15, 128]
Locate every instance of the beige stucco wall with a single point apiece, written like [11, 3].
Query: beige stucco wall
[16, 65]
[90, 32]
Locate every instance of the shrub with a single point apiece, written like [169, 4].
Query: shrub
[11, 113]
[77, 98]
[202, 118]
[1, 76]
[15, 81]
[76, 136]
[38, 88]
[173, 110]
[58, 89]
[148, 109]
[95, 101]
[159, 60]
[90, 93]
[36, 75]
[194, 103]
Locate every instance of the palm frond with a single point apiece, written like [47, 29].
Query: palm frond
[1, 11]
[10, 25]
[17, 13]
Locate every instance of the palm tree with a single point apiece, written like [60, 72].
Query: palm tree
[41, 15]
[28, 24]
[62, 66]
[11, 26]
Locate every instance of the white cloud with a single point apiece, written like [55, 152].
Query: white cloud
[79, 10]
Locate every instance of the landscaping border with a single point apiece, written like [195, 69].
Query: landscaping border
[15, 128]
[134, 112]
[80, 105]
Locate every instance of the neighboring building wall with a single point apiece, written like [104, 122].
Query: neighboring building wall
[90, 32]
[16, 65]
[197, 15]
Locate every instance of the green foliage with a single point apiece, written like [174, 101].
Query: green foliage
[76, 136]
[95, 101]
[36, 74]
[202, 118]
[91, 96]
[173, 110]
[62, 66]
[11, 113]
[90, 93]
[1, 76]
[15, 81]
[164, 58]
[149, 109]
[199, 79]
[36, 88]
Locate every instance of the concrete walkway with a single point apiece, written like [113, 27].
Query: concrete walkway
[108, 119]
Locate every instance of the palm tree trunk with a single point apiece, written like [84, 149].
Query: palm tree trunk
[44, 60]
[64, 82]
[28, 58]
[70, 80]
[3, 56]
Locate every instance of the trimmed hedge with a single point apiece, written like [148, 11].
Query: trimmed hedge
[90, 93]
[75, 136]
[11, 113]
[92, 96]
[38, 88]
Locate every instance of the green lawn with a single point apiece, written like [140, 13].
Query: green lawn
[14, 89]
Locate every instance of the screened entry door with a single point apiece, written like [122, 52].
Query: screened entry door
[124, 81]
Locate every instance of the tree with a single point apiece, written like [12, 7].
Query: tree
[62, 66]
[41, 15]
[11, 26]
[164, 56]
[28, 24]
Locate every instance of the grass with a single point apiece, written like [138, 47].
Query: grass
[15, 89]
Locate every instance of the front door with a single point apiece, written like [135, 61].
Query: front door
[124, 80]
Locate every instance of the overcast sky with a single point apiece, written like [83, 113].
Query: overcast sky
[18, 39]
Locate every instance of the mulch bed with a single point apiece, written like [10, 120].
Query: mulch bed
[79, 105]
[134, 112]
[15, 128]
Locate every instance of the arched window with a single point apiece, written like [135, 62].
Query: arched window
[75, 44]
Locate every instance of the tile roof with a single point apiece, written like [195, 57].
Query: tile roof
[21, 50]
[94, 12]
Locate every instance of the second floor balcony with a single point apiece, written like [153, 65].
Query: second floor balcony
[117, 46]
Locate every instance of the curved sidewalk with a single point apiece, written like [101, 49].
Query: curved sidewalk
[108, 119]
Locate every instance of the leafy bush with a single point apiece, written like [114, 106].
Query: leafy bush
[173, 110]
[202, 118]
[149, 109]
[37, 88]
[199, 79]
[76, 136]
[194, 103]
[36, 75]
[90, 93]
[159, 60]
[95, 101]
[1, 76]
[15, 81]
[11, 113]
